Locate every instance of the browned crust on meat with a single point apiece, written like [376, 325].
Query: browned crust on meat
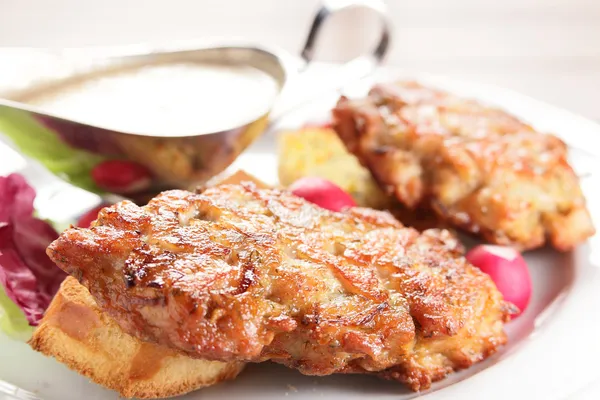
[476, 167]
[80, 335]
[248, 274]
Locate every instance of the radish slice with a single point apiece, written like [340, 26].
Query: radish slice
[323, 193]
[508, 270]
[121, 176]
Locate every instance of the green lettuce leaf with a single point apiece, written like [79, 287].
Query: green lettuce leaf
[28, 278]
[12, 319]
[39, 142]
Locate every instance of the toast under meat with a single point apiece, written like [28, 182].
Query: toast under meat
[476, 167]
[238, 273]
[80, 335]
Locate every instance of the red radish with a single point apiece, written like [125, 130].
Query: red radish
[508, 270]
[86, 219]
[121, 176]
[323, 193]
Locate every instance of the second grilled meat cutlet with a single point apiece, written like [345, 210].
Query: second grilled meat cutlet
[242, 273]
[318, 151]
[477, 167]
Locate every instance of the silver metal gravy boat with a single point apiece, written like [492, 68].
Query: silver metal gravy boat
[74, 149]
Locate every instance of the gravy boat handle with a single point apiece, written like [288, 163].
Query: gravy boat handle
[352, 71]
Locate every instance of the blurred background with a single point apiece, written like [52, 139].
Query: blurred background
[549, 49]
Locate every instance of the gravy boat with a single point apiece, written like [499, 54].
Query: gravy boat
[137, 164]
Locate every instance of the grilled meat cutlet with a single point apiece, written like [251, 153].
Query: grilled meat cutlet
[242, 273]
[477, 167]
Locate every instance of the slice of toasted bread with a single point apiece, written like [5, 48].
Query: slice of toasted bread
[314, 151]
[228, 178]
[77, 333]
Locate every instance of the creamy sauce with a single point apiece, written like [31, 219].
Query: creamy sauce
[166, 100]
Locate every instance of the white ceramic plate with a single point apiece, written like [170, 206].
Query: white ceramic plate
[553, 348]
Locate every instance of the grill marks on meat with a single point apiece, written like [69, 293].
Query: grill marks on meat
[241, 273]
[478, 168]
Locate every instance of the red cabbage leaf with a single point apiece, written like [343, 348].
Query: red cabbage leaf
[29, 278]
